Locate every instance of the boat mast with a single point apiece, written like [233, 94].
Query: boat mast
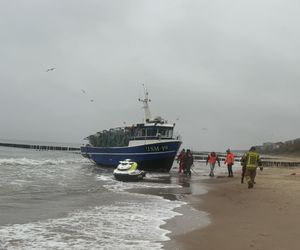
[145, 101]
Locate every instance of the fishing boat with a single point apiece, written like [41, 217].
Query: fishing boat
[150, 144]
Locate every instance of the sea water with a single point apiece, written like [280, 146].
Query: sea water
[60, 200]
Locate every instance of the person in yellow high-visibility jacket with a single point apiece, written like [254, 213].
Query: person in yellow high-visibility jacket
[252, 161]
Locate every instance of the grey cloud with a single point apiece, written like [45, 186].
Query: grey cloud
[231, 67]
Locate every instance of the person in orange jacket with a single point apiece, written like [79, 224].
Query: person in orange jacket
[211, 159]
[229, 161]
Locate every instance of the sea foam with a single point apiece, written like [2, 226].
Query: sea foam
[124, 225]
[40, 162]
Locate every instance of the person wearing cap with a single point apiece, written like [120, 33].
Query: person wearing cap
[211, 159]
[252, 160]
[229, 160]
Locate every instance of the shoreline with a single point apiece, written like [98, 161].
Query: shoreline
[262, 218]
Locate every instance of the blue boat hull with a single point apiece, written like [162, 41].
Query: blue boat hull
[157, 157]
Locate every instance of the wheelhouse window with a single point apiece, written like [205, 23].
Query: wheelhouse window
[141, 132]
[165, 132]
[153, 132]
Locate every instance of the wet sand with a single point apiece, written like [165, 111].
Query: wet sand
[266, 217]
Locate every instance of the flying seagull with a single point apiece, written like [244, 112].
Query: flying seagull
[50, 69]
[84, 92]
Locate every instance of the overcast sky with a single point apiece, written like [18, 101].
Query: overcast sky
[228, 72]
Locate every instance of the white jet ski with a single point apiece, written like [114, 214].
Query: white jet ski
[127, 171]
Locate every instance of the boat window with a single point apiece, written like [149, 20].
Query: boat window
[141, 132]
[151, 131]
[165, 132]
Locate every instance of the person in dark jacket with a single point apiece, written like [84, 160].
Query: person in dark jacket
[243, 164]
[189, 161]
[181, 161]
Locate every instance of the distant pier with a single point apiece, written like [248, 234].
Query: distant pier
[40, 146]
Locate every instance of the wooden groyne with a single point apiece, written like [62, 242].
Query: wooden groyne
[201, 156]
[278, 163]
[39, 147]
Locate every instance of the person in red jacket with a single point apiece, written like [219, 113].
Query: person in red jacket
[229, 161]
[211, 159]
[181, 161]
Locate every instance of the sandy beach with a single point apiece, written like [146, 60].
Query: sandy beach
[266, 217]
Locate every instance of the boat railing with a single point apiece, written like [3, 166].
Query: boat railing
[151, 137]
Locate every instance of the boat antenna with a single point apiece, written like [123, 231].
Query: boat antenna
[146, 108]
